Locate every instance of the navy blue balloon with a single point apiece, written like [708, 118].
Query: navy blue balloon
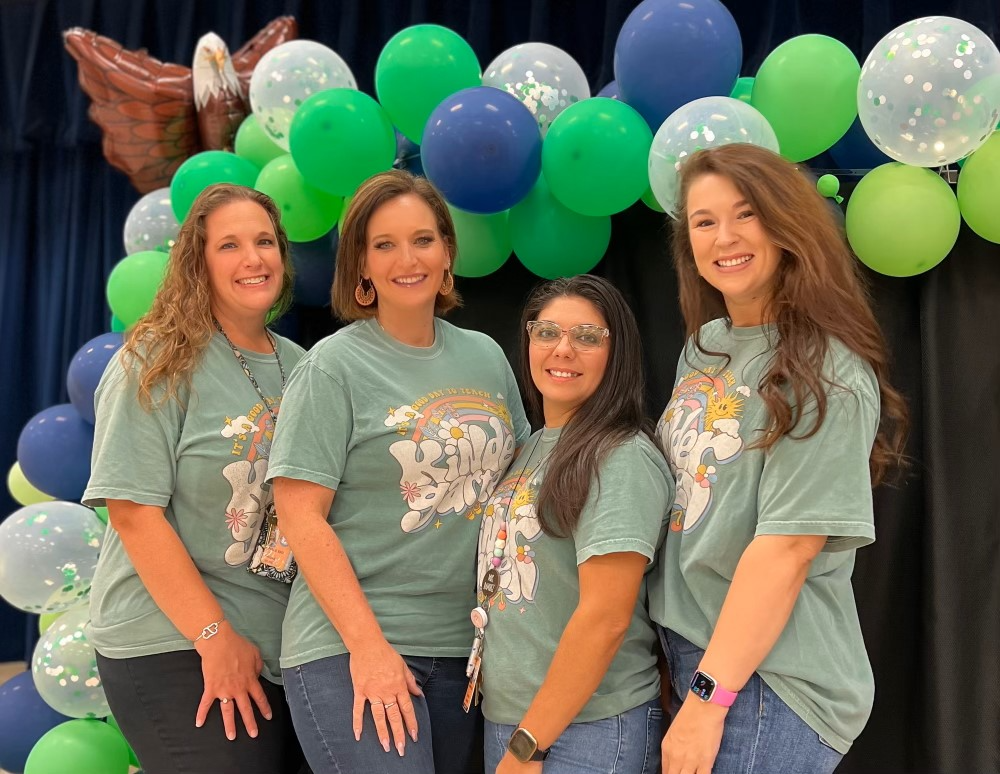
[670, 52]
[610, 91]
[482, 149]
[855, 150]
[24, 719]
[54, 451]
[314, 262]
[86, 369]
[408, 155]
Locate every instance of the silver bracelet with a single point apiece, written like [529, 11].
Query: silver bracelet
[209, 631]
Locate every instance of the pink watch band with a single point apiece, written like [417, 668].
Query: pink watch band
[723, 697]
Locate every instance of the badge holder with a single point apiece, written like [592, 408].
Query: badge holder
[272, 557]
[475, 663]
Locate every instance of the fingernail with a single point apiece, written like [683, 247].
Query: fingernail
[357, 735]
[197, 724]
[231, 737]
[413, 735]
[399, 749]
[385, 744]
[268, 716]
[253, 734]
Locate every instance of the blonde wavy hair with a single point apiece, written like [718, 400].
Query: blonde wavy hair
[168, 341]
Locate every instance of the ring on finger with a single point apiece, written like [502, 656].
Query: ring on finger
[390, 704]
[224, 701]
[374, 702]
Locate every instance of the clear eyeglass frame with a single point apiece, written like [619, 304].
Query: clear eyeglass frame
[583, 338]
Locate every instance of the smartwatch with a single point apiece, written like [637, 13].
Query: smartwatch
[524, 746]
[705, 687]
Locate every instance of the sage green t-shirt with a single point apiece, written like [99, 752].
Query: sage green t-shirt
[204, 464]
[539, 586]
[728, 493]
[413, 440]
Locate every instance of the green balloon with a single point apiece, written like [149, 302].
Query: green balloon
[483, 242]
[743, 89]
[343, 214]
[902, 220]
[828, 186]
[102, 513]
[202, 170]
[807, 90]
[133, 284]
[553, 241]
[80, 747]
[45, 620]
[339, 138]
[117, 326]
[979, 190]
[22, 490]
[307, 213]
[596, 156]
[254, 144]
[417, 69]
[133, 759]
[649, 199]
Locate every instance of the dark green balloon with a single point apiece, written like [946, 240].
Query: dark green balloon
[133, 759]
[553, 241]
[204, 169]
[743, 89]
[483, 242]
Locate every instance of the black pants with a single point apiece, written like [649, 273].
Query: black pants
[154, 700]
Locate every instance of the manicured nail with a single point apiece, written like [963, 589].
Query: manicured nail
[268, 716]
[399, 748]
[197, 724]
[231, 737]
[357, 735]
[413, 735]
[385, 744]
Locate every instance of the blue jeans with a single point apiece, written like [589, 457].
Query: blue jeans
[321, 699]
[762, 734]
[624, 744]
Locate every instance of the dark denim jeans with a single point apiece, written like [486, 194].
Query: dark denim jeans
[624, 744]
[762, 734]
[321, 698]
[154, 700]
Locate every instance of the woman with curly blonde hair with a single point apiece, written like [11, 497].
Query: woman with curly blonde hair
[185, 418]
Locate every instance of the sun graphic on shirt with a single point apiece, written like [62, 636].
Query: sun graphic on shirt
[523, 497]
[722, 407]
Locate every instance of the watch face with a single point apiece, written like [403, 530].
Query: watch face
[702, 686]
[522, 745]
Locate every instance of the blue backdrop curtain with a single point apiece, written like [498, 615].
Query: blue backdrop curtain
[928, 590]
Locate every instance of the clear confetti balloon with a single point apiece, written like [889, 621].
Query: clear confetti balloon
[289, 74]
[544, 78]
[704, 123]
[929, 92]
[48, 554]
[64, 666]
[151, 224]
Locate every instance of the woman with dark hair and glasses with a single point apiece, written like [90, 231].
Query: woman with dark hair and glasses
[567, 649]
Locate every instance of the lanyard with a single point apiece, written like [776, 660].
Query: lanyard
[249, 374]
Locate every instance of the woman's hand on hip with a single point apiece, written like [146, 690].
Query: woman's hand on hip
[383, 680]
[692, 742]
[231, 666]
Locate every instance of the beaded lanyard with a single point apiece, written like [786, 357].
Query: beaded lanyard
[249, 373]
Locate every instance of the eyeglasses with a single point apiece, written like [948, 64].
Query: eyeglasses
[582, 338]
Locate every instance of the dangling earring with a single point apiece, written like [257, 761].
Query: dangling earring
[365, 296]
[448, 284]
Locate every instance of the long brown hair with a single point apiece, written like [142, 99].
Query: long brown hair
[353, 248]
[169, 339]
[611, 416]
[818, 293]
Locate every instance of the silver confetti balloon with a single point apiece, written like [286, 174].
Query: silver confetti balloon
[64, 668]
[929, 92]
[151, 224]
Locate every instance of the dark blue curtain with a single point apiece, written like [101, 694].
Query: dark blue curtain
[928, 590]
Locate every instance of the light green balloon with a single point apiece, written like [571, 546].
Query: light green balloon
[45, 620]
[483, 242]
[596, 155]
[307, 213]
[828, 186]
[902, 220]
[102, 513]
[743, 89]
[80, 747]
[417, 69]
[133, 283]
[339, 138]
[807, 90]
[553, 241]
[22, 490]
[254, 144]
[979, 190]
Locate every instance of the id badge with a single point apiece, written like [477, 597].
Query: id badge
[472, 691]
[277, 553]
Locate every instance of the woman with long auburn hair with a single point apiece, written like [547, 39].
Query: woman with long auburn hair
[781, 420]
[187, 639]
[568, 651]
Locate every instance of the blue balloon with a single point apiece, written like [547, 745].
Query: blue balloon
[54, 451]
[855, 150]
[408, 155]
[24, 719]
[670, 52]
[482, 149]
[86, 369]
[610, 91]
[314, 262]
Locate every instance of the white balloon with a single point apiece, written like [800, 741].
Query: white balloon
[929, 92]
[703, 123]
[64, 668]
[151, 223]
[289, 74]
[544, 78]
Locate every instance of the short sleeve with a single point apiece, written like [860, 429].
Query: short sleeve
[821, 485]
[314, 428]
[135, 450]
[625, 510]
[522, 430]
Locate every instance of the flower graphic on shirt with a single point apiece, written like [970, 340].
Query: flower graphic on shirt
[451, 431]
[705, 475]
[235, 519]
[409, 491]
[524, 554]
[728, 406]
